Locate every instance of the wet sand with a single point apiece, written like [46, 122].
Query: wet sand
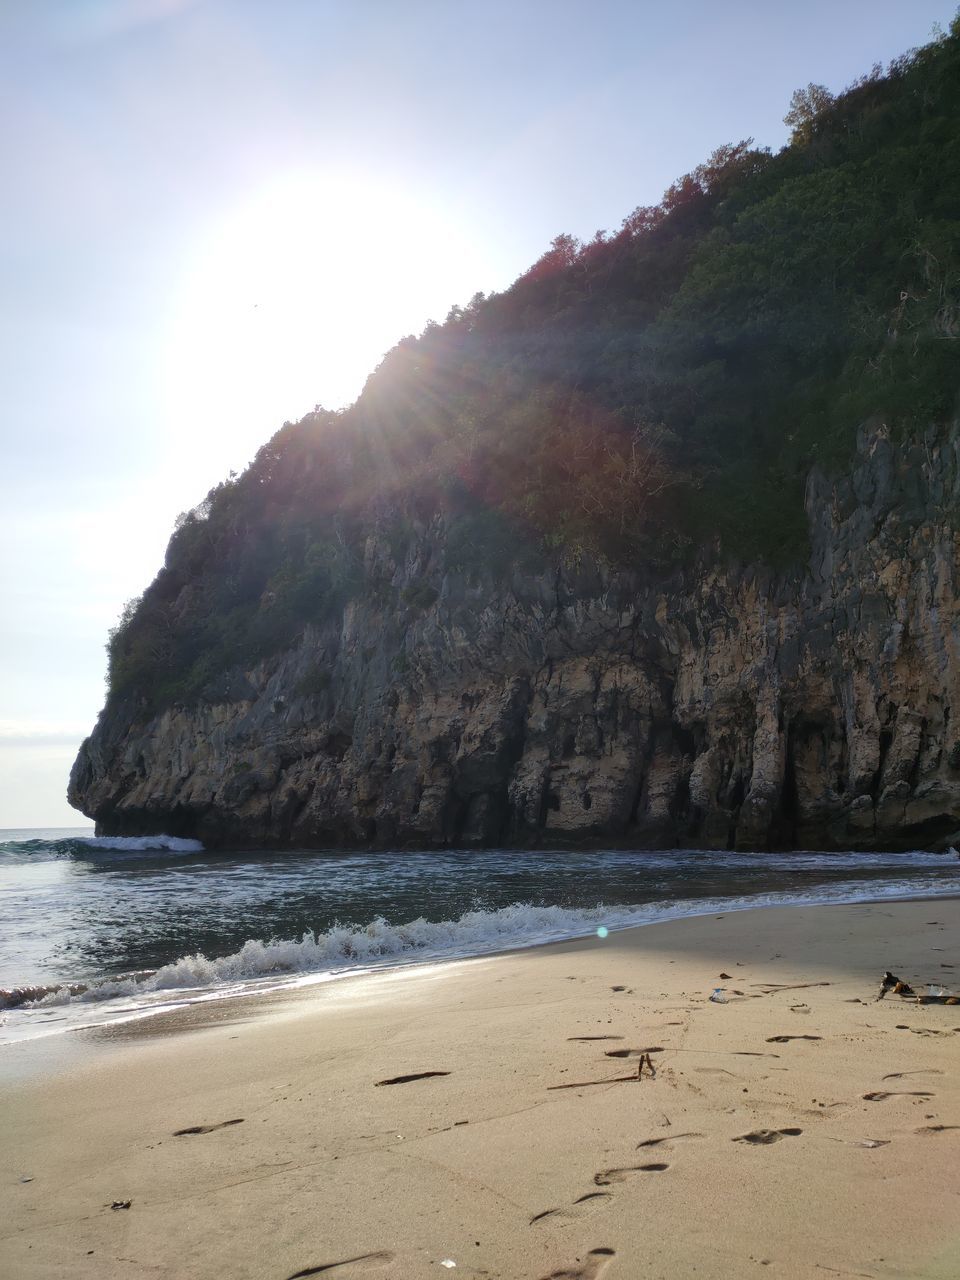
[489, 1114]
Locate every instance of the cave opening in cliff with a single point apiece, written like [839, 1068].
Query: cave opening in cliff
[784, 831]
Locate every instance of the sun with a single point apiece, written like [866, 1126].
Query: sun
[291, 298]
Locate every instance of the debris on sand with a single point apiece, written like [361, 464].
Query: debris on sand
[644, 1062]
[890, 982]
[869, 1143]
[935, 994]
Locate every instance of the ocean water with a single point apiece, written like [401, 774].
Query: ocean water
[94, 930]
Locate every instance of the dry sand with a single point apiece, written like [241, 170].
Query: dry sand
[490, 1167]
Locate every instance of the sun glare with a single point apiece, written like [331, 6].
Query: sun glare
[294, 296]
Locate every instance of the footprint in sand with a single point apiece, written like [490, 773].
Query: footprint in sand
[364, 1264]
[786, 1039]
[922, 1031]
[763, 1137]
[592, 1267]
[606, 1176]
[880, 1095]
[417, 1075]
[632, 1053]
[585, 1204]
[656, 1142]
[206, 1128]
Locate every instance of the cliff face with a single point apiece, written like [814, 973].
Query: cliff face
[740, 709]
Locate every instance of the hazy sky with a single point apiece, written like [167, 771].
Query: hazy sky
[218, 213]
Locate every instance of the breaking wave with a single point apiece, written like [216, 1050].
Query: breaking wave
[347, 949]
[85, 846]
[134, 844]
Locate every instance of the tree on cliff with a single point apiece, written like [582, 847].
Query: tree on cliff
[806, 107]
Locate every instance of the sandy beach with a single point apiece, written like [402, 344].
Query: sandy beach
[800, 1129]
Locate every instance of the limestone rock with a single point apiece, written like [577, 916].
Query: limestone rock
[726, 708]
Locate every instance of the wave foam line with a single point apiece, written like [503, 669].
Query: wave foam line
[85, 846]
[35, 995]
[14, 997]
[345, 946]
[379, 943]
[134, 844]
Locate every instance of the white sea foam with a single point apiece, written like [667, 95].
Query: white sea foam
[345, 949]
[348, 947]
[139, 844]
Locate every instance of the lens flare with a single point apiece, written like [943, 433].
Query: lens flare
[602, 931]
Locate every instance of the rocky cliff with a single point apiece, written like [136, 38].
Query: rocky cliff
[727, 707]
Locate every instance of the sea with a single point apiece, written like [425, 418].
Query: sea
[100, 930]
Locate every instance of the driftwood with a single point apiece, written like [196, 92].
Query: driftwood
[583, 1084]
[644, 1061]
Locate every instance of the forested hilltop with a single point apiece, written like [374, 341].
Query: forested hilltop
[709, 459]
[649, 397]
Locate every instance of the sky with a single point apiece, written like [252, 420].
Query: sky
[218, 214]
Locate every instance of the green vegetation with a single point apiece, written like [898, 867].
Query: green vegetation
[652, 397]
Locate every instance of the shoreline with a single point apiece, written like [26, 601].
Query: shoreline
[180, 1001]
[515, 1147]
[224, 837]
